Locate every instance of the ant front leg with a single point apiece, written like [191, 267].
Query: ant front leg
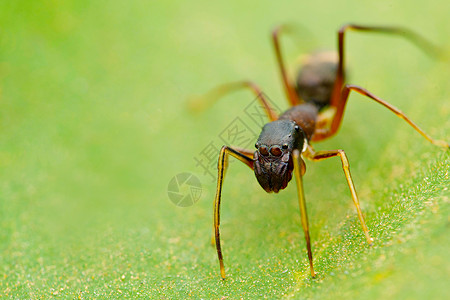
[415, 38]
[298, 171]
[243, 156]
[337, 118]
[321, 155]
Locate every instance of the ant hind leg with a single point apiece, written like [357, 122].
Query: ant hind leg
[337, 118]
[291, 94]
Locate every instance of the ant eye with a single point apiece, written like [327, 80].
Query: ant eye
[296, 128]
[263, 150]
[285, 146]
[276, 151]
[256, 145]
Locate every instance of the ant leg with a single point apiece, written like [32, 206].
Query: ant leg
[336, 121]
[202, 102]
[320, 155]
[222, 166]
[289, 89]
[415, 38]
[247, 152]
[298, 163]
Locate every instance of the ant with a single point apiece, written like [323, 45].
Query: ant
[317, 101]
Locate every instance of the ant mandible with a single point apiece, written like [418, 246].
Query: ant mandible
[317, 100]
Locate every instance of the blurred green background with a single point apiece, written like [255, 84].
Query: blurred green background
[93, 126]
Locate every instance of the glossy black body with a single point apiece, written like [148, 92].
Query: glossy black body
[315, 80]
[273, 162]
[314, 85]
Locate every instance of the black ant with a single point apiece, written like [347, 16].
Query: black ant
[317, 100]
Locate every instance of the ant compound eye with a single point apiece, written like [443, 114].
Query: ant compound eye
[296, 128]
[285, 146]
[276, 151]
[263, 150]
[256, 145]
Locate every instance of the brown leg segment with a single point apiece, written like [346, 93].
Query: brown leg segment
[221, 166]
[341, 107]
[289, 89]
[200, 103]
[320, 155]
[415, 38]
[302, 204]
[247, 152]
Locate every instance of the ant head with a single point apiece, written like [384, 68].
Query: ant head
[273, 163]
